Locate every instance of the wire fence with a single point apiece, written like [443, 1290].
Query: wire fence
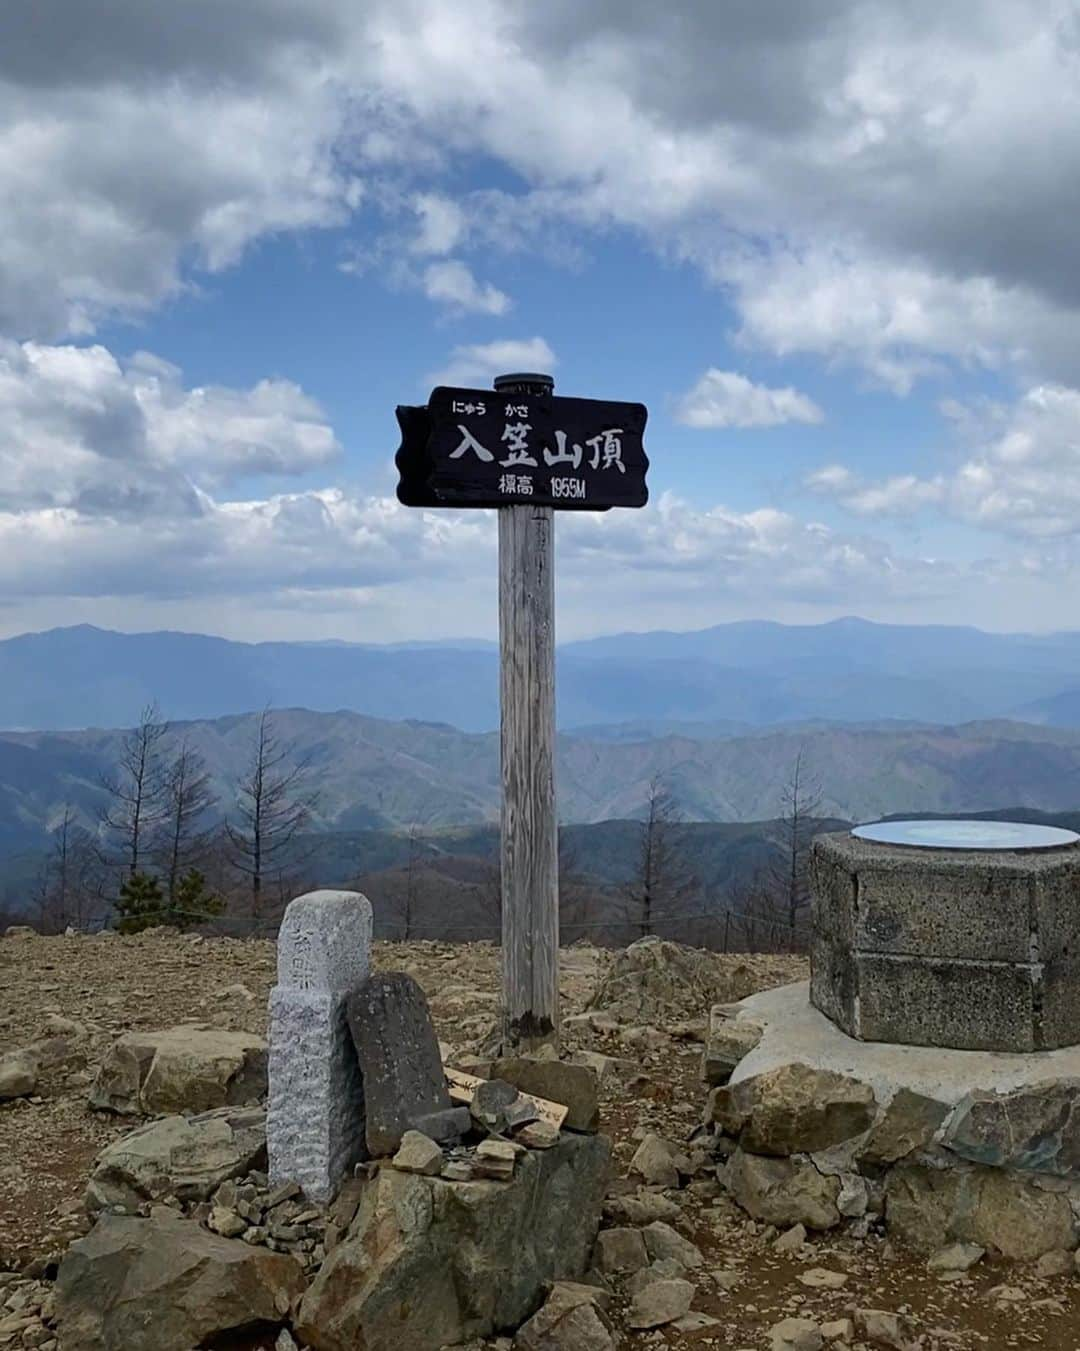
[725, 923]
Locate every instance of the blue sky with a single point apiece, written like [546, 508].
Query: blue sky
[827, 245]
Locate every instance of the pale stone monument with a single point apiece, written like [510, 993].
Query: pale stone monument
[315, 1117]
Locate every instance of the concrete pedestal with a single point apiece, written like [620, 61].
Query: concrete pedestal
[972, 950]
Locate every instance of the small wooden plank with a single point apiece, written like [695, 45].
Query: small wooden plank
[462, 1087]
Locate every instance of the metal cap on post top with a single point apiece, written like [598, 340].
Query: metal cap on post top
[524, 382]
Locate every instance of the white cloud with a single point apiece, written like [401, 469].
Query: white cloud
[899, 322]
[442, 224]
[899, 495]
[291, 549]
[476, 364]
[86, 432]
[728, 399]
[771, 136]
[1025, 478]
[868, 182]
[103, 189]
[451, 283]
[1021, 476]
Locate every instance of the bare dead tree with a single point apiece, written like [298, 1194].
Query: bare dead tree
[755, 920]
[43, 896]
[487, 893]
[273, 806]
[661, 884]
[184, 835]
[137, 790]
[800, 797]
[409, 899]
[71, 885]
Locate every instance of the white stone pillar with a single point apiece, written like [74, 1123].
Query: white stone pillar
[315, 1118]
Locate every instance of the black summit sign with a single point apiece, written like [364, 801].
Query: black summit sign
[478, 448]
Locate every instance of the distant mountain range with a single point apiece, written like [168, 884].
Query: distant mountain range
[734, 677]
[374, 774]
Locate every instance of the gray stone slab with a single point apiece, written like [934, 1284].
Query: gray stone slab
[833, 982]
[315, 1115]
[835, 895]
[1060, 1005]
[958, 948]
[1056, 900]
[938, 912]
[971, 1006]
[398, 1051]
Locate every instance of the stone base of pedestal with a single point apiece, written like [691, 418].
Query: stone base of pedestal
[429, 1262]
[979, 951]
[936, 1146]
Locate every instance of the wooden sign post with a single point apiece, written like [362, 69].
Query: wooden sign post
[530, 827]
[527, 453]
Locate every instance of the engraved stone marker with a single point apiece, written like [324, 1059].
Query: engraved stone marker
[315, 1117]
[404, 1082]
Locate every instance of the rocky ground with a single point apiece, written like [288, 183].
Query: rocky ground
[751, 1288]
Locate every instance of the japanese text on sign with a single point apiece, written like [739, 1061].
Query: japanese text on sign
[467, 448]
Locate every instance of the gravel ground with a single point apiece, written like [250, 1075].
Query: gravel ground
[114, 984]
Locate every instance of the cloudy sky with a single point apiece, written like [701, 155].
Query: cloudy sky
[833, 245]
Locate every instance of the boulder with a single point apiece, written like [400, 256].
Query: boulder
[418, 1154]
[909, 1123]
[729, 1039]
[180, 1069]
[667, 1269]
[165, 1284]
[605, 1067]
[794, 1109]
[429, 1262]
[187, 1157]
[1035, 1128]
[664, 1243]
[783, 1191]
[654, 1162]
[796, 1334]
[955, 1257]
[1057, 1262]
[495, 1159]
[1012, 1216]
[491, 1103]
[657, 982]
[574, 1086]
[881, 1327]
[537, 1134]
[572, 1318]
[660, 1303]
[642, 1208]
[18, 1074]
[620, 1249]
[921, 1203]
[791, 1240]
[997, 1210]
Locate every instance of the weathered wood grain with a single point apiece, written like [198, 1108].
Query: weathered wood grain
[530, 885]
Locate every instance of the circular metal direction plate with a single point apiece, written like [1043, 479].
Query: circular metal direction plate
[967, 835]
